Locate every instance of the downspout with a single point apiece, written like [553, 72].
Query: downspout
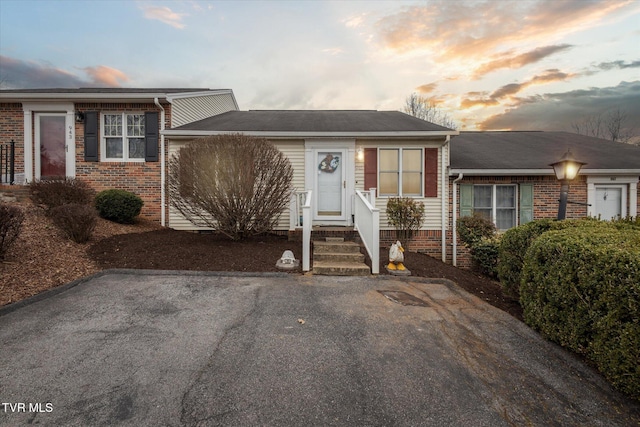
[453, 225]
[162, 163]
[445, 213]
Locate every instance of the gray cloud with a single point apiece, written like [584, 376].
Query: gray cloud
[556, 111]
[18, 74]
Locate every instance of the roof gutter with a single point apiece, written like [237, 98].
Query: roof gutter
[180, 134]
[546, 171]
[454, 230]
[162, 163]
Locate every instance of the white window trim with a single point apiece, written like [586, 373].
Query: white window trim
[494, 205]
[103, 139]
[400, 169]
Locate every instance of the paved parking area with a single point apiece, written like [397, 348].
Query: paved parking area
[158, 348]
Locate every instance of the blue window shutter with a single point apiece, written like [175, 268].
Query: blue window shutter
[466, 200]
[151, 136]
[91, 136]
[526, 203]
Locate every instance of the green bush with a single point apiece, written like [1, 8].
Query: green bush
[57, 192]
[581, 288]
[76, 220]
[473, 228]
[118, 205]
[484, 254]
[406, 215]
[516, 241]
[479, 234]
[11, 218]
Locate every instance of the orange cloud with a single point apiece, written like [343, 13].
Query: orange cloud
[428, 88]
[475, 99]
[106, 75]
[454, 29]
[165, 15]
[518, 61]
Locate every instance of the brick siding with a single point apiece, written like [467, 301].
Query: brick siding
[12, 128]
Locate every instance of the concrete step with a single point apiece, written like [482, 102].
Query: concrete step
[320, 246]
[340, 268]
[338, 257]
[13, 193]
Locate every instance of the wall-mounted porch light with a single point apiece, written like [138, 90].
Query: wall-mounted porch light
[79, 117]
[566, 170]
[360, 154]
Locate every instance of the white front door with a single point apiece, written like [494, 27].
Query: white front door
[330, 185]
[609, 201]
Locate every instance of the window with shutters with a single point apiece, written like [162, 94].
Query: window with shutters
[400, 172]
[123, 137]
[497, 203]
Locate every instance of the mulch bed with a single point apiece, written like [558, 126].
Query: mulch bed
[168, 249]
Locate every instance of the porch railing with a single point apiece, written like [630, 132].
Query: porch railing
[367, 223]
[300, 217]
[7, 162]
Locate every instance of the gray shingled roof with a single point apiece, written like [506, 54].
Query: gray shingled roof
[521, 151]
[305, 121]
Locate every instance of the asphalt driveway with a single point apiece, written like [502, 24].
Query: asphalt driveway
[167, 349]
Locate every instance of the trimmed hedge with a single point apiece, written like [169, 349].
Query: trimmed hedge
[118, 205]
[516, 241]
[76, 220]
[581, 288]
[57, 192]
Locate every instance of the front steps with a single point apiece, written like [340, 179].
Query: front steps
[335, 257]
[13, 193]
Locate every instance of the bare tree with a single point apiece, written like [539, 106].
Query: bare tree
[426, 109]
[609, 125]
[236, 184]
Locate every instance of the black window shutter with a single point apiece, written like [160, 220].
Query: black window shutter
[91, 136]
[151, 136]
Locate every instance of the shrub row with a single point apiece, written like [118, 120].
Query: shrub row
[69, 203]
[581, 288]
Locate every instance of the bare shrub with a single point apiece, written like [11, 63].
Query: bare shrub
[76, 220]
[11, 218]
[58, 192]
[236, 184]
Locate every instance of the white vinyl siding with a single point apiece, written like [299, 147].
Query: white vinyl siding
[191, 109]
[294, 150]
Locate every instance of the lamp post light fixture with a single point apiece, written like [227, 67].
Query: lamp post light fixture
[566, 169]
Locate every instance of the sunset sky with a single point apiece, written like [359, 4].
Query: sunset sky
[521, 65]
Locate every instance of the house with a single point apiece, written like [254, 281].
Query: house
[507, 177]
[348, 162]
[392, 152]
[110, 137]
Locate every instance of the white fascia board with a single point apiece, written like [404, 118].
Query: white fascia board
[88, 97]
[524, 172]
[289, 135]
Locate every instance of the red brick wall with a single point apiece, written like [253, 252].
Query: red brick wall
[12, 128]
[141, 178]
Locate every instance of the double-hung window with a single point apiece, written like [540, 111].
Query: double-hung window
[400, 171]
[123, 136]
[496, 203]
